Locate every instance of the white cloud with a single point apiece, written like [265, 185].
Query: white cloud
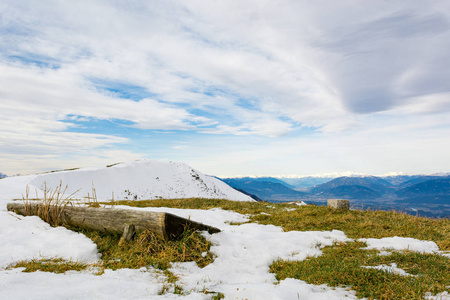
[32, 162]
[172, 60]
[356, 73]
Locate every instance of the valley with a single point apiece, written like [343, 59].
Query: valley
[421, 195]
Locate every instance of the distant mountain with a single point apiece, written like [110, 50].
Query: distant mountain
[419, 179]
[304, 183]
[429, 188]
[350, 192]
[428, 200]
[400, 179]
[296, 183]
[2, 175]
[425, 195]
[274, 190]
[370, 184]
[241, 180]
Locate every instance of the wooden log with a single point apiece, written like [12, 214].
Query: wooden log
[164, 225]
[129, 232]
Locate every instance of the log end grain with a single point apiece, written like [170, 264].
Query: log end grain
[175, 226]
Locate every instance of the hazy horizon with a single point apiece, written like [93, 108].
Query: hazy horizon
[281, 176]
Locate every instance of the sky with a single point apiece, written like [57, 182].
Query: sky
[229, 87]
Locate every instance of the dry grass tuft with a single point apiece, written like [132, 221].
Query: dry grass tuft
[51, 207]
[56, 265]
[147, 250]
[92, 199]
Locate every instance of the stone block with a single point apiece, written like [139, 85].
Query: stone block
[340, 204]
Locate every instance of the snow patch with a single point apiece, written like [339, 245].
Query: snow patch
[401, 243]
[26, 238]
[119, 284]
[440, 296]
[392, 268]
[243, 256]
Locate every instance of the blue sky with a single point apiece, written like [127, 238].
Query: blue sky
[228, 87]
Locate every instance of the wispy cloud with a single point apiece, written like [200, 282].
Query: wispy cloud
[260, 71]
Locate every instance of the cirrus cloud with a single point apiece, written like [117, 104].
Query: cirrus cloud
[193, 70]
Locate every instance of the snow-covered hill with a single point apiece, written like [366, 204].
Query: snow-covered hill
[137, 180]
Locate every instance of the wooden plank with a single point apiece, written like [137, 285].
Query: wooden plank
[164, 225]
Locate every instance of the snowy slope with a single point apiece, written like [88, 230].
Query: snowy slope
[243, 252]
[137, 181]
[240, 270]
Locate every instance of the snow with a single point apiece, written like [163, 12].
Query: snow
[119, 284]
[243, 252]
[29, 237]
[392, 268]
[401, 243]
[240, 270]
[440, 296]
[138, 180]
[215, 217]
[299, 203]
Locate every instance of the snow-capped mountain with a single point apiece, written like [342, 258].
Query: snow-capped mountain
[137, 180]
[2, 175]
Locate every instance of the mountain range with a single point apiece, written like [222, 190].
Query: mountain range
[265, 188]
[429, 194]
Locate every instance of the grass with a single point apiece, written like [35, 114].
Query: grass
[355, 223]
[340, 264]
[51, 207]
[147, 250]
[201, 203]
[55, 265]
[362, 224]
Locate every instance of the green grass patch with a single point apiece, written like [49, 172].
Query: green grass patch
[201, 203]
[355, 223]
[361, 224]
[148, 250]
[341, 265]
[55, 265]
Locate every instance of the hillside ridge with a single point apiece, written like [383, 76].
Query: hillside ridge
[137, 180]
